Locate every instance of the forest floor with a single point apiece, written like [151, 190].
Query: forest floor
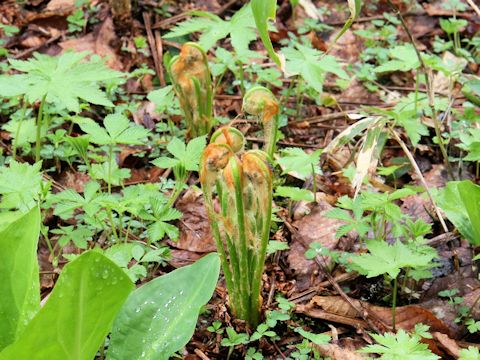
[393, 167]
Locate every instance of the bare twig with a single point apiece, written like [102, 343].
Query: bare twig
[153, 46]
[430, 90]
[159, 48]
[474, 6]
[201, 354]
[35, 48]
[420, 175]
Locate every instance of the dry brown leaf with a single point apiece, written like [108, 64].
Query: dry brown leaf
[446, 343]
[98, 42]
[406, 316]
[195, 234]
[60, 6]
[335, 352]
[314, 227]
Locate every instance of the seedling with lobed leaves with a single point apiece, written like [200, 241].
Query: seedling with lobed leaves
[60, 81]
[241, 225]
[192, 82]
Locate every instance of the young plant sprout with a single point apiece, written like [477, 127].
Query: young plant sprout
[240, 224]
[260, 102]
[192, 82]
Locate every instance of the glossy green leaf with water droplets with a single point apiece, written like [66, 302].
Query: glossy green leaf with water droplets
[19, 287]
[78, 314]
[461, 202]
[159, 318]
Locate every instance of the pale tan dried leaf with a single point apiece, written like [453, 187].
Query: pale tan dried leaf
[447, 343]
[98, 43]
[335, 352]
[195, 234]
[406, 317]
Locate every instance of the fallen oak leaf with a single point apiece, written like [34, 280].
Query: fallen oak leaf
[335, 308]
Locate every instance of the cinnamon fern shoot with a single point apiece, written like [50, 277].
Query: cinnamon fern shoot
[260, 102]
[242, 183]
[192, 82]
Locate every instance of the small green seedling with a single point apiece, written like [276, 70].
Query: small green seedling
[233, 340]
[61, 81]
[401, 345]
[385, 259]
[472, 353]
[186, 158]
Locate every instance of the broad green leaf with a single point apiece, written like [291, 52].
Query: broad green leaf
[461, 202]
[400, 346]
[264, 10]
[20, 185]
[118, 130]
[79, 313]
[159, 318]
[294, 193]
[19, 287]
[298, 163]
[389, 259]
[317, 339]
[404, 59]
[186, 155]
[312, 65]
[64, 80]
[240, 28]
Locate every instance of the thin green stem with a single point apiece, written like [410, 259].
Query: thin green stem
[112, 224]
[394, 302]
[110, 161]
[39, 129]
[259, 266]
[242, 77]
[314, 180]
[17, 133]
[242, 237]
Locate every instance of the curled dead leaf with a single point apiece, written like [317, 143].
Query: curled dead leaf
[335, 308]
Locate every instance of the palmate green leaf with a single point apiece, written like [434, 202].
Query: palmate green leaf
[161, 215]
[400, 346]
[461, 202]
[299, 163]
[110, 173]
[404, 58]
[240, 28]
[67, 201]
[161, 315]
[186, 155]
[19, 288]
[294, 193]
[64, 80]
[317, 339]
[26, 131]
[389, 259]
[118, 130]
[312, 65]
[472, 353]
[20, 185]
[264, 10]
[78, 314]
